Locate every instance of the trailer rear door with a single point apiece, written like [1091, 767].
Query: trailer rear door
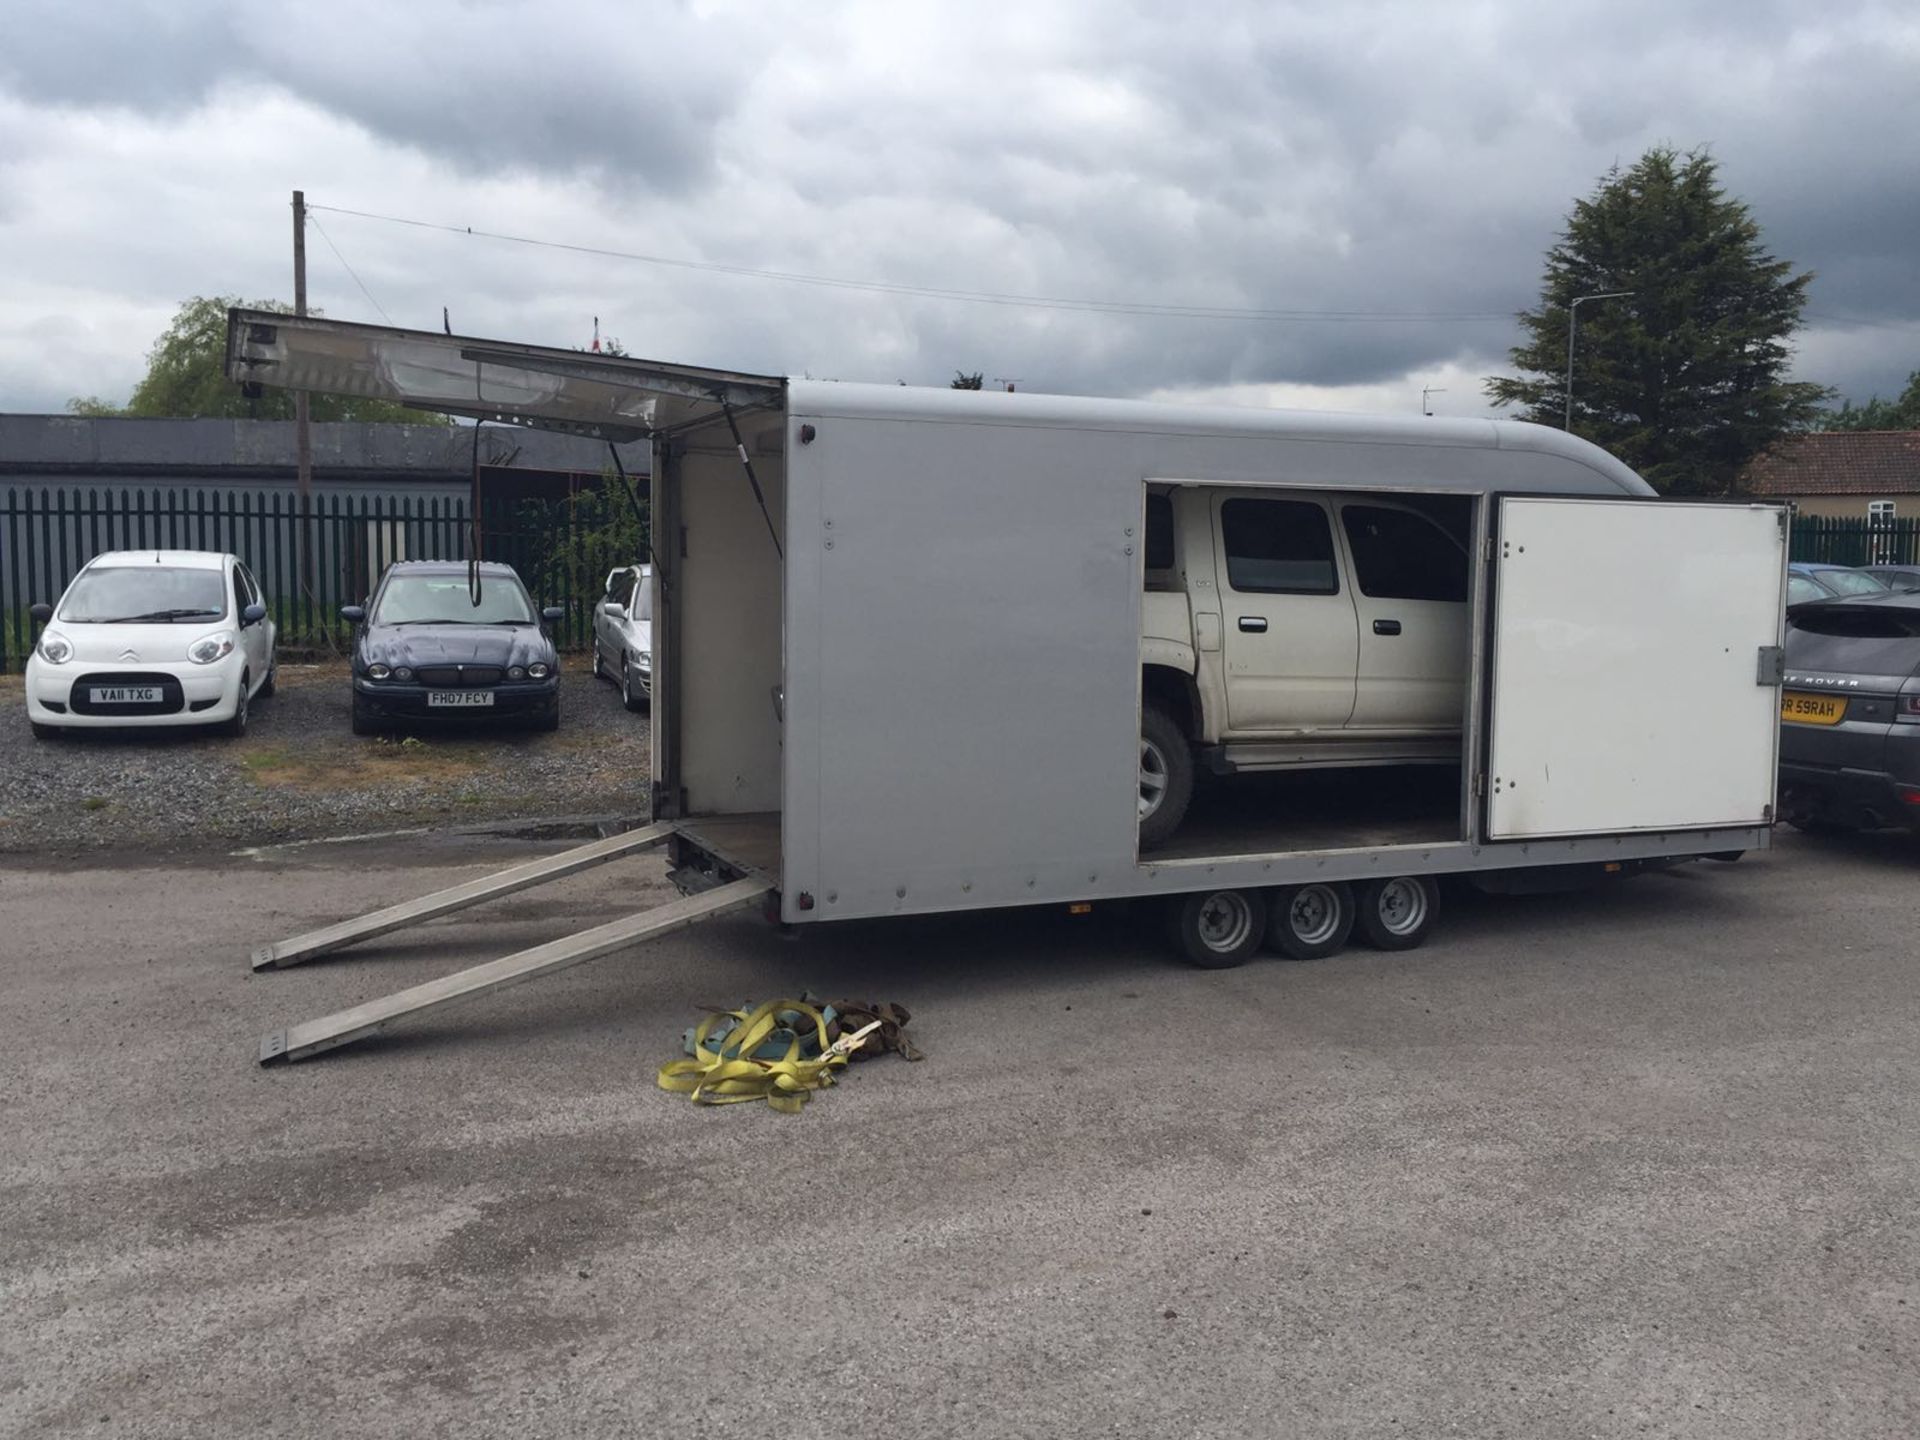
[1633, 674]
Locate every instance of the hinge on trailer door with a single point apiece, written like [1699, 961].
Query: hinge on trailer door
[1772, 669]
[1479, 785]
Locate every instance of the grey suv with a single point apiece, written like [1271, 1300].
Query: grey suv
[1850, 714]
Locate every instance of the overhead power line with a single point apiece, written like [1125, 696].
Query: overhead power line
[343, 263]
[972, 297]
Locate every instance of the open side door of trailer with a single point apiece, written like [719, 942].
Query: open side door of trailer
[607, 397]
[1634, 683]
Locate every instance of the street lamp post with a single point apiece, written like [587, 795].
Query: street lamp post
[1573, 320]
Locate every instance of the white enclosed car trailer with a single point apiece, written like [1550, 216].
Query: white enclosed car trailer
[898, 655]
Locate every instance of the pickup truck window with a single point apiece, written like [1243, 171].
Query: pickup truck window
[1398, 555]
[1278, 547]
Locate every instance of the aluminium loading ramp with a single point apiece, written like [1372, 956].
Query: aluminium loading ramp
[314, 1037]
[444, 902]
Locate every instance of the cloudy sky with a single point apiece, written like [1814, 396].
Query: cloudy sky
[1380, 179]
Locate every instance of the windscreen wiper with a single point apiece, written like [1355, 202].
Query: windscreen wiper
[158, 615]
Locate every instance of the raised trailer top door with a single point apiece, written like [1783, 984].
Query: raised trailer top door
[607, 397]
[1634, 666]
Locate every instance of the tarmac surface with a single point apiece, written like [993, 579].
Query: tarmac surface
[1640, 1161]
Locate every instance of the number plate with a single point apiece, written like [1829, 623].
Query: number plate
[1805, 709]
[123, 694]
[459, 699]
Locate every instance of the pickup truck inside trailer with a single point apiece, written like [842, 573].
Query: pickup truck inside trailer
[919, 650]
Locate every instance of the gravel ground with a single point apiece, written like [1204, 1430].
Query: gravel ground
[301, 773]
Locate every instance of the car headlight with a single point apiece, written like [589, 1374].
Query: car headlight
[377, 671]
[516, 672]
[538, 670]
[55, 649]
[403, 672]
[209, 648]
[644, 660]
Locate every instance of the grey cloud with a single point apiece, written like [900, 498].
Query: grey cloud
[1377, 156]
[484, 86]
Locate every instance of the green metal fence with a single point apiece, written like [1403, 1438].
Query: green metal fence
[311, 563]
[1856, 541]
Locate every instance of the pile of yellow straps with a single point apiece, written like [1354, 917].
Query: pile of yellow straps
[778, 1052]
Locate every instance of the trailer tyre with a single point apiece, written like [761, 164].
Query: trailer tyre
[1218, 929]
[1166, 776]
[1397, 913]
[1311, 922]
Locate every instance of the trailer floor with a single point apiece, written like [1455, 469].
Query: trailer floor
[750, 842]
[1639, 1162]
[1281, 813]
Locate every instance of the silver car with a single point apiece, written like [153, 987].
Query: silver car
[623, 634]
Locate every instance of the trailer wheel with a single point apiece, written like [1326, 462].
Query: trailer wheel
[1397, 913]
[1166, 776]
[1311, 922]
[1218, 929]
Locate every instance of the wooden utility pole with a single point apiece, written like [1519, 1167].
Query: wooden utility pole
[302, 438]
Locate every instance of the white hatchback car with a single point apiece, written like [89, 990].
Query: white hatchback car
[151, 637]
[623, 634]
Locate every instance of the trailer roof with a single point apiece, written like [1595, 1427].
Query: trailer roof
[824, 398]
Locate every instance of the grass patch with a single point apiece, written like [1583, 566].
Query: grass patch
[95, 802]
[406, 762]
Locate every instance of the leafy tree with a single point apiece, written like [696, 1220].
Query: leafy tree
[963, 381]
[186, 377]
[1686, 378]
[1877, 414]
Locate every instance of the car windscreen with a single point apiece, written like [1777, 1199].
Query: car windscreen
[152, 594]
[1800, 589]
[1854, 640]
[443, 600]
[1852, 582]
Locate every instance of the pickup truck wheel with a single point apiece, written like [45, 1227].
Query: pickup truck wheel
[1166, 776]
[1218, 929]
[1396, 914]
[1311, 922]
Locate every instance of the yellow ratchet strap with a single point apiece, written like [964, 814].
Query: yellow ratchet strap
[728, 1065]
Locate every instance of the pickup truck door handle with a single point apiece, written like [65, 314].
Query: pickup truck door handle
[1386, 627]
[1254, 624]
